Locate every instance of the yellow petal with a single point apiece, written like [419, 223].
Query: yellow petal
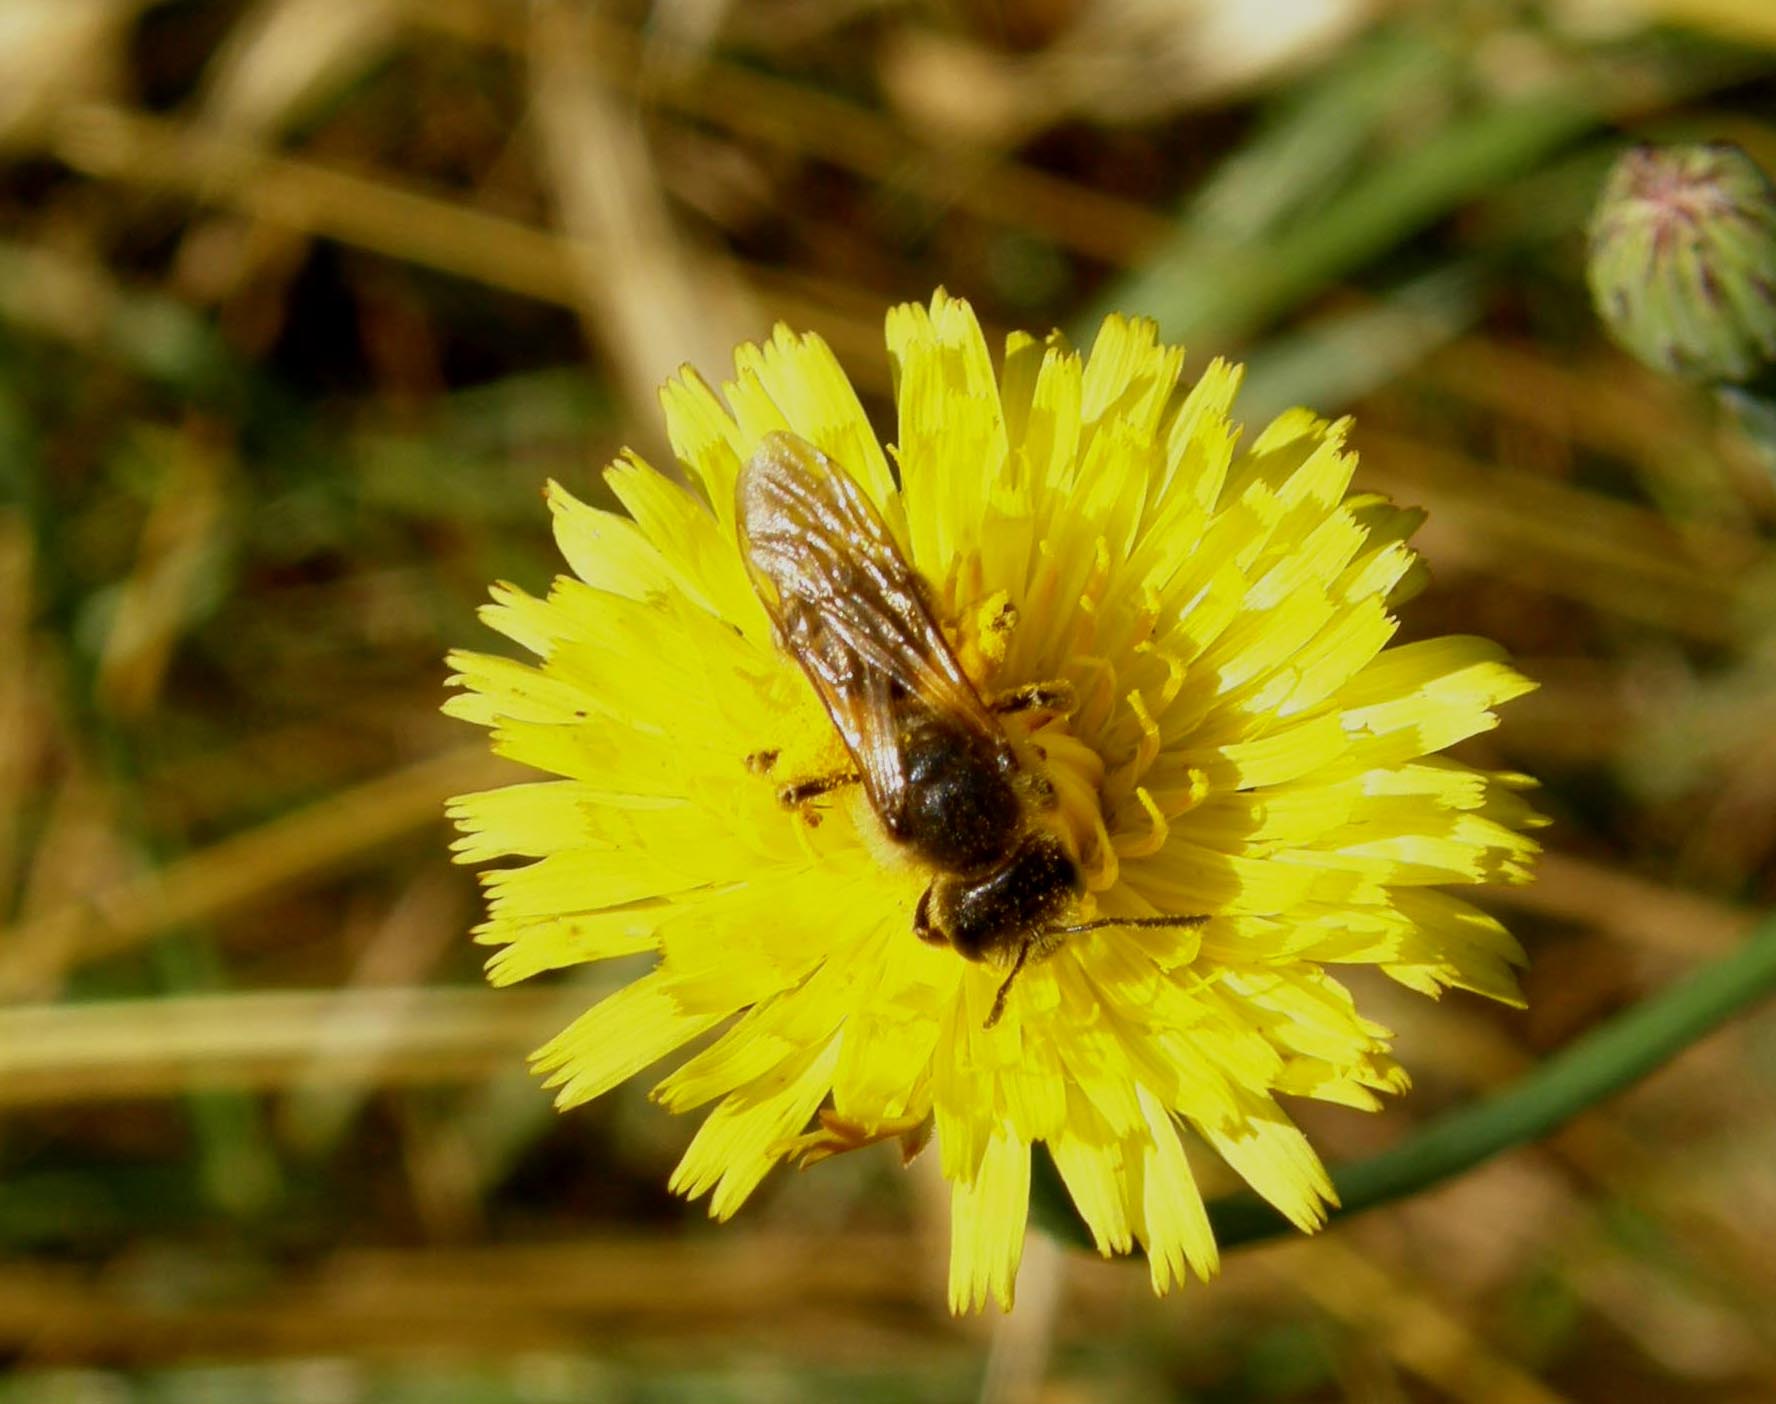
[743, 1138]
[615, 1039]
[987, 1216]
[1097, 1178]
[1175, 1223]
[952, 446]
[1274, 1158]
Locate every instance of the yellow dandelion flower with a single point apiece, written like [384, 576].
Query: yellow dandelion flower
[1182, 646]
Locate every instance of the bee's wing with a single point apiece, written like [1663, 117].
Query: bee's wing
[848, 607]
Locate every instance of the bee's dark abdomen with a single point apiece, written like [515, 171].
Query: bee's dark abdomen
[993, 915]
[960, 812]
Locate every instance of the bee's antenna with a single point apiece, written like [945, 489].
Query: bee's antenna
[1100, 922]
[1005, 989]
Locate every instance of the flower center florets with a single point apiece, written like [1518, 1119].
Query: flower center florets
[1066, 774]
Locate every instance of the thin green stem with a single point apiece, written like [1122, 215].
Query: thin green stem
[1598, 1065]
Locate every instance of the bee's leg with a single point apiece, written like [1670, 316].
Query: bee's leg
[1055, 696]
[922, 927]
[1023, 956]
[796, 795]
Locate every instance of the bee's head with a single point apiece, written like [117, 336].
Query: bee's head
[994, 916]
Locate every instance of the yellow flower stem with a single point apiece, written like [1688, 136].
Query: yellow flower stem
[1598, 1065]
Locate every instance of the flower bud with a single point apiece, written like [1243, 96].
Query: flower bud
[1683, 260]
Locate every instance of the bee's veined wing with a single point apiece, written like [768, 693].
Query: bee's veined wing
[849, 608]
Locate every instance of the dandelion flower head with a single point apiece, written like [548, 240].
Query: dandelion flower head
[1242, 743]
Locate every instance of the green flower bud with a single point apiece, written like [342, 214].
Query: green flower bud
[1683, 260]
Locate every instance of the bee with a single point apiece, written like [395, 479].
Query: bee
[932, 755]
